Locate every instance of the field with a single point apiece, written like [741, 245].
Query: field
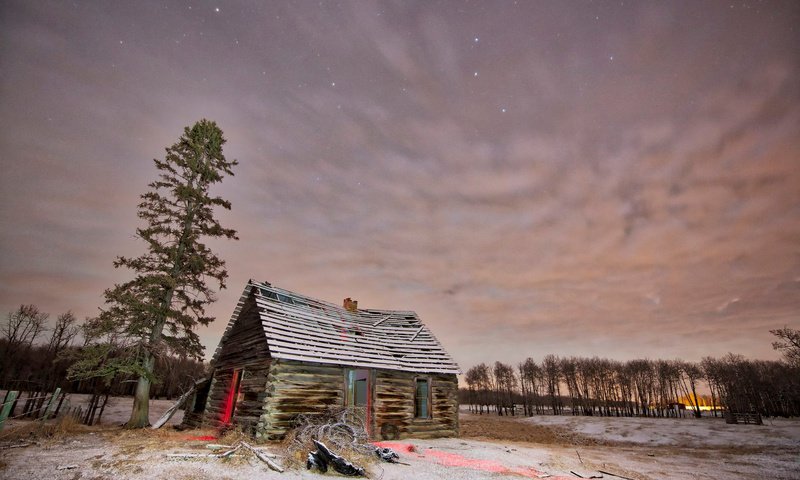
[490, 447]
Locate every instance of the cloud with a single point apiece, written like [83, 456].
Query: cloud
[615, 208]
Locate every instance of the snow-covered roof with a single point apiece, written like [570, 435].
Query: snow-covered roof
[309, 330]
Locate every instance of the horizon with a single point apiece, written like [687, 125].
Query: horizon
[611, 180]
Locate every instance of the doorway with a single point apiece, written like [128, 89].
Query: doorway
[358, 393]
[232, 397]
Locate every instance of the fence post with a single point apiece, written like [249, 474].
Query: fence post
[50, 404]
[11, 397]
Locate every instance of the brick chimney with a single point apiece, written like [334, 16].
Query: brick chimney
[350, 304]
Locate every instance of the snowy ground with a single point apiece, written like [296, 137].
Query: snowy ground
[489, 448]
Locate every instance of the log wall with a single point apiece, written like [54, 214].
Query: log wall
[393, 412]
[307, 388]
[195, 406]
[244, 348]
[298, 388]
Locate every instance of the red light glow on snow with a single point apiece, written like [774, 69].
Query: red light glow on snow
[455, 460]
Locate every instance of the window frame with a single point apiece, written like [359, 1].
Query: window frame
[429, 398]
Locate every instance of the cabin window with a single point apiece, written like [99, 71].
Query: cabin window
[269, 294]
[285, 299]
[422, 397]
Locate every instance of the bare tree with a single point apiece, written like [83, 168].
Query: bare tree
[788, 343]
[506, 383]
[691, 373]
[24, 325]
[472, 377]
[530, 379]
[64, 331]
[552, 375]
[478, 379]
[712, 373]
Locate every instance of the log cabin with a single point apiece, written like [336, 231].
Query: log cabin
[284, 354]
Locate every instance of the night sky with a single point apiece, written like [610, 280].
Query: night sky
[618, 179]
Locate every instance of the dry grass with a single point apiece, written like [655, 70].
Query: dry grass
[493, 427]
[233, 436]
[135, 441]
[38, 431]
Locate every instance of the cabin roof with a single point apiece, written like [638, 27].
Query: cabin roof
[301, 328]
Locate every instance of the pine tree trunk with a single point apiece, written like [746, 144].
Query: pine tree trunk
[140, 414]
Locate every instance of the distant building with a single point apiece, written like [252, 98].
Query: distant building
[285, 354]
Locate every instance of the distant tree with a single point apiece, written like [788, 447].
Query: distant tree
[690, 374]
[530, 375]
[788, 343]
[64, 332]
[478, 379]
[712, 372]
[552, 376]
[155, 314]
[506, 384]
[24, 324]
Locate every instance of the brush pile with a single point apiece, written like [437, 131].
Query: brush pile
[336, 439]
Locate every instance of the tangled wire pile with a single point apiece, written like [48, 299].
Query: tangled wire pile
[341, 429]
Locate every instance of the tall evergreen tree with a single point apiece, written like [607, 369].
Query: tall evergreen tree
[156, 312]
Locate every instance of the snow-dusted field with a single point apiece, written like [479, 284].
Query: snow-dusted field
[490, 448]
[679, 432]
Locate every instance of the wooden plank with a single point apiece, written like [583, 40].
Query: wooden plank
[11, 397]
[49, 406]
[350, 352]
[319, 319]
[289, 325]
[174, 408]
[335, 361]
[309, 335]
[416, 334]
[345, 351]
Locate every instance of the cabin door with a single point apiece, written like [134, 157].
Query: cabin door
[359, 393]
[232, 396]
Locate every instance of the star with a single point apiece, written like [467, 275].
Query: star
[611, 58]
[503, 110]
[216, 9]
[476, 40]
[333, 84]
[475, 74]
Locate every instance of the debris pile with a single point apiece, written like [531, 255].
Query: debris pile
[228, 451]
[323, 457]
[387, 455]
[336, 440]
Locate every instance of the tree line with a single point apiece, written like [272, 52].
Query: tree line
[38, 353]
[660, 388]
